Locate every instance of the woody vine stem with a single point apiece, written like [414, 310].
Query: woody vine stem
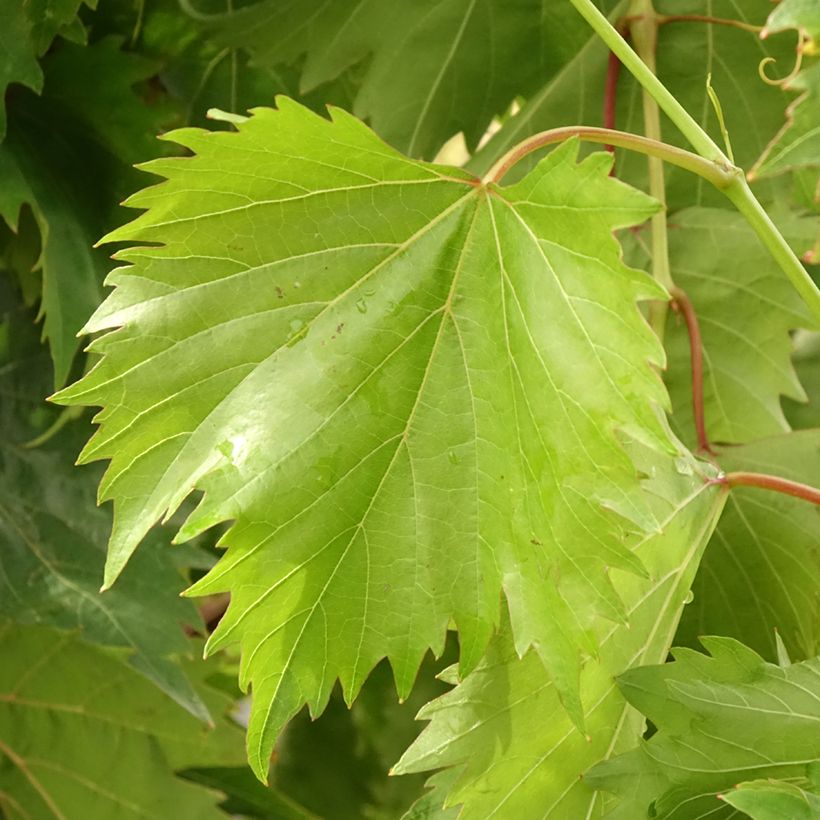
[709, 162]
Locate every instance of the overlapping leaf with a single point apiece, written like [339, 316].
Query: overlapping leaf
[434, 68]
[775, 800]
[82, 735]
[746, 309]
[721, 720]
[402, 385]
[761, 572]
[513, 751]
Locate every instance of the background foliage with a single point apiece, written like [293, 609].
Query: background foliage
[106, 709]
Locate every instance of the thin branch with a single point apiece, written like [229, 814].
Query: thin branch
[711, 171]
[613, 73]
[705, 18]
[683, 305]
[775, 483]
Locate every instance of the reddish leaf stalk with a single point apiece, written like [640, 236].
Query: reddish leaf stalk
[613, 73]
[764, 481]
[705, 18]
[683, 305]
[663, 19]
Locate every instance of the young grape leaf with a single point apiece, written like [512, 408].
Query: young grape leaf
[797, 144]
[774, 800]
[466, 57]
[83, 735]
[720, 720]
[502, 728]
[746, 309]
[401, 384]
[761, 572]
[802, 15]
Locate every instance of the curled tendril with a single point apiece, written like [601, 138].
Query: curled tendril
[784, 81]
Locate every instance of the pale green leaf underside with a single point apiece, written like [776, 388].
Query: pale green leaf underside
[721, 720]
[503, 727]
[775, 800]
[403, 387]
[82, 735]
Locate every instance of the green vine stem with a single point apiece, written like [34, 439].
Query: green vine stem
[738, 189]
[719, 177]
[644, 32]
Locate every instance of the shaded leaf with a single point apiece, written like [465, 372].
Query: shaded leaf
[465, 57]
[746, 309]
[750, 106]
[806, 360]
[246, 796]
[82, 735]
[67, 156]
[359, 745]
[761, 572]
[53, 536]
[483, 344]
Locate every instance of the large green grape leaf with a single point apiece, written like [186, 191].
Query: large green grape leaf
[435, 68]
[752, 109]
[83, 735]
[514, 753]
[403, 387]
[761, 572]
[746, 309]
[720, 720]
[774, 800]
